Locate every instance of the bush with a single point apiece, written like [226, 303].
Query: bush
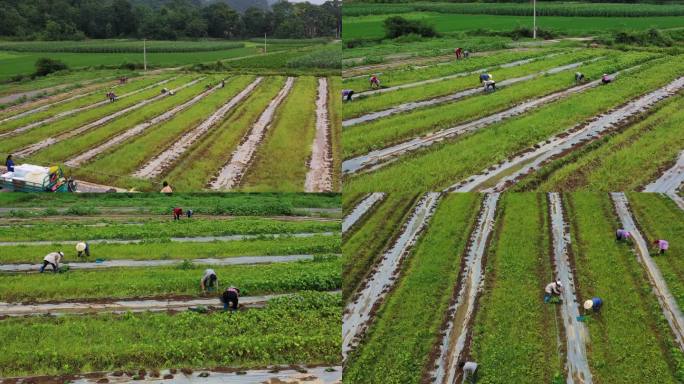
[45, 66]
[398, 26]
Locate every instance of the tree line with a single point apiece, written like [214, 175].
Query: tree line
[170, 20]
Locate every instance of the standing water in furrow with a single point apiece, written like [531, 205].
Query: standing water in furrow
[357, 314]
[671, 310]
[575, 331]
[319, 177]
[462, 310]
[360, 210]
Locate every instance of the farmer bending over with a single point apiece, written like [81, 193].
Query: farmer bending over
[230, 298]
[374, 82]
[551, 290]
[52, 259]
[209, 281]
[469, 371]
[622, 235]
[662, 246]
[593, 304]
[177, 213]
[605, 79]
[83, 248]
[579, 77]
[347, 95]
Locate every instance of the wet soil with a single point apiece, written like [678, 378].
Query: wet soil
[360, 210]
[319, 177]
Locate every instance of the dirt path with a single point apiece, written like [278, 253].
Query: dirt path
[229, 375]
[161, 162]
[462, 310]
[449, 77]
[33, 148]
[667, 302]
[577, 335]
[137, 130]
[406, 107]
[360, 210]
[671, 179]
[120, 306]
[508, 172]
[357, 314]
[378, 158]
[77, 110]
[241, 260]
[200, 239]
[231, 174]
[319, 177]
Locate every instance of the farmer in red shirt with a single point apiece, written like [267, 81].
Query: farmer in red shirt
[177, 213]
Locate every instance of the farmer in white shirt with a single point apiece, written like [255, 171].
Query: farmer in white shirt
[52, 259]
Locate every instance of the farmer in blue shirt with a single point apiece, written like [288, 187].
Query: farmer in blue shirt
[9, 163]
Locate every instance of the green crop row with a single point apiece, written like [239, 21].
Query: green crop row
[519, 9]
[321, 274]
[397, 348]
[659, 218]
[448, 162]
[64, 150]
[366, 245]
[237, 204]
[363, 138]
[163, 250]
[609, 164]
[630, 329]
[115, 166]
[160, 230]
[207, 156]
[298, 329]
[392, 78]
[72, 122]
[280, 162]
[425, 92]
[99, 95]
[513, 330]
[119, 46]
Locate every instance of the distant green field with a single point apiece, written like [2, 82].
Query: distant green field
[371, 26]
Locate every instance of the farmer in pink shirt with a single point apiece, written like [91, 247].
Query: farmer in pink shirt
[662, 245]
[622, 235]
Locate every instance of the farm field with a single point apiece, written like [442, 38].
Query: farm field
[464, 280]
[131, 309]
[259, 132]
[430, 126]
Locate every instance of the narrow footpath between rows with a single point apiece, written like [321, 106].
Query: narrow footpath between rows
[576, 333]
[137, 130]
[455, 96]
[124, 263]
[357, 314]
[161, 162]
[360, 210]
[381, 157]
[319, 176]
[461, 312]
[122, 306]
[33, 148]
[231, 174]
[671, 310]
[198, 239]
[561, 144]
[79, 109]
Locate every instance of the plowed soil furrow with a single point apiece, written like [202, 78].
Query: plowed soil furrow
[119, 306]
[538, 155]
[462, 310]
[161, 162]
[357, 314]
[455, 96]
[162, 263]
[576, 333]
[137, 130]
[319, 177]
[33, 148]
[203, 239]
[381, 157]
[670, 180]
[46, 106]
[677, 199]
[231, 174]
[78, 110]
[449, 77]
[671, 310]
[360, 210]
[230, 375]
